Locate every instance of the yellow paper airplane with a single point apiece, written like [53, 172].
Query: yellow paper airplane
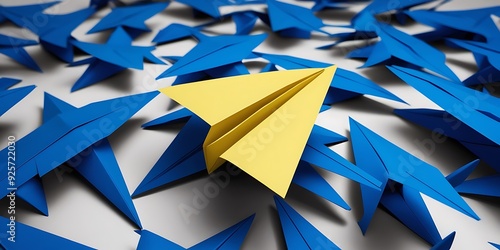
[259, 122]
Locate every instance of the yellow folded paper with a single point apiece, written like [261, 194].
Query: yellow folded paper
[259, 122]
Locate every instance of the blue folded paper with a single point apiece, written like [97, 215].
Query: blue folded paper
[10, 97]
[64, 135]
[230, 238]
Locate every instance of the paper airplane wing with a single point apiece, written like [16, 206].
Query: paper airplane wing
[207, 7]
[348, 81]
[213, 52]
[268, 107]
[9, 98]
[6, 83]
[307, 177]
[446, 243]
[487, 186]
[152, 241]
[20, 55]
[184, 157]
[438, 120]
[32, 192]
[66, 132]
[488, 50]
[58, 30]
[497, 246]
[231, 238]
[27, 237]
[299, 233]
[486, 74]
[18, 14]
[174, 32]
[97, 71]
[409, 208]
[323, 157]
[180, 115]
[458, 176]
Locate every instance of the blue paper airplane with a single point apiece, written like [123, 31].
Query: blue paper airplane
[345, 85]
[376, 155]
[475, 109]
[230, 238]
[62, 138]
[212, 52]
[27, 237]
[108, 59]
[446, 124]
[13, 48]
[130, 18]
[300, 233]
[290, 20]
[9, 98]
[97, 165]
[398, 48]
[20, 14]
[55, 36]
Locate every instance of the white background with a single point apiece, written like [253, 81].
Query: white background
[80, 213]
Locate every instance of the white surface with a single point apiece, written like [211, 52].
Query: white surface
[80, 213]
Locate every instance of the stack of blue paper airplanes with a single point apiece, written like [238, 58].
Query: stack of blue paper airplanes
[469, 114]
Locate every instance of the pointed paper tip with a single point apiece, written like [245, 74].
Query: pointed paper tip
[495, 245]
[140, 190]
[458, 176]
[446, 243]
